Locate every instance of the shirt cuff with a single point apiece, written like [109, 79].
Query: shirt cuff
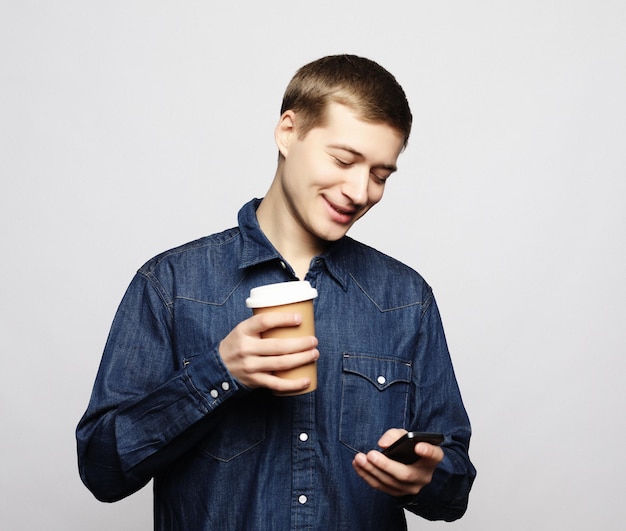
[209, 379]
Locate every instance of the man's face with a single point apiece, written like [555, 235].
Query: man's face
[336, 173]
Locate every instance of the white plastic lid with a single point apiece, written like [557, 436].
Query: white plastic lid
[281, 293]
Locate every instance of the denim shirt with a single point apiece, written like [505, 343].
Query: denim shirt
[226, 457]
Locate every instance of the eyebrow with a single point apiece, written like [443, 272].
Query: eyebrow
[358, 154]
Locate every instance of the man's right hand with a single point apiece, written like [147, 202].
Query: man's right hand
[252, 359]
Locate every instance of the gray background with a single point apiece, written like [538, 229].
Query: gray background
[128, 127]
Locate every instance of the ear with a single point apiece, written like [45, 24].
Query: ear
[285, 132]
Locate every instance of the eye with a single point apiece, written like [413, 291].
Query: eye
[342, 163]
[379, 179]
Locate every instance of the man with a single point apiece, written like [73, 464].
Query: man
[185, 391]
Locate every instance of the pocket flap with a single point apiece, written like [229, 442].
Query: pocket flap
[381, 372]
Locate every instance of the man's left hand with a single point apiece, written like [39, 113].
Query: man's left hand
[395, 478]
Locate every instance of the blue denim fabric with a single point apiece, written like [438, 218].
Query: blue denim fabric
[224, 457]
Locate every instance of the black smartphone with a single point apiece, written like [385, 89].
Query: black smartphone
[403, 450]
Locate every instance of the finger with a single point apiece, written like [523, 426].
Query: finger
[283, 362]
[429, 452]
[258, 371]
[281, 385]
[377, 478]
[390, 436]
[285, 345]
[285, 385]
[262, 322]
[396, 478]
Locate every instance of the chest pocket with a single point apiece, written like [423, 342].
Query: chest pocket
[374, 398]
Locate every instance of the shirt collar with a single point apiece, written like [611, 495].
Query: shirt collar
[258, 249]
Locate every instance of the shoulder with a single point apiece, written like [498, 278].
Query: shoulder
[203, 270]
[387, 281]
[190, 253]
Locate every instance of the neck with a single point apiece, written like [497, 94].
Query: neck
[284, 231]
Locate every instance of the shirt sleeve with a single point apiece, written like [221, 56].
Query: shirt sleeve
[438, 407]
[150, 403]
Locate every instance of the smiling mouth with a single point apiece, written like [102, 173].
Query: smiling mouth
[339, 214]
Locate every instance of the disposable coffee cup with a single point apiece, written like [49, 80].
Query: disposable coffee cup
[289, 297]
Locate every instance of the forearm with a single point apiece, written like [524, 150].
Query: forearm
[99, 462]
[446, 496]
[440, 408]
[122, 446]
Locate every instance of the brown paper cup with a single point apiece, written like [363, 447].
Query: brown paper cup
[291, 297]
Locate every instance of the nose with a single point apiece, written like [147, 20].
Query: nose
[355, 187]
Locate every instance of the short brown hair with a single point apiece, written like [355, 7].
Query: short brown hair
[360, 83]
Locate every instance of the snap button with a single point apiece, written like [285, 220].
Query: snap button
[381, 380]
[214, 393]
[225, 386]
[283, 265]
[303, 437]
[302, 499]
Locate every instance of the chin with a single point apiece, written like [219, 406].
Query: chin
[333, 236]
[333, 232]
